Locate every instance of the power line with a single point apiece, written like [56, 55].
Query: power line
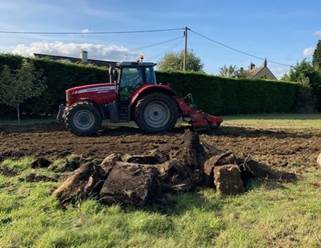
[158, 43]
[92, 32]
[236, 49]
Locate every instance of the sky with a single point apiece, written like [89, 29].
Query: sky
[282, 31]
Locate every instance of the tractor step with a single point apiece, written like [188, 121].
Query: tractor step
[123, 107]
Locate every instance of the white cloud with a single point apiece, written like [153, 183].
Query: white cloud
[308, 52]
[85, 31]
[95, 51]
[317, 33]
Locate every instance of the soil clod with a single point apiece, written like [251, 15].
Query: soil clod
[129, 184]
[33, 177]
[8, 172]
[40, 163]
[227, 179]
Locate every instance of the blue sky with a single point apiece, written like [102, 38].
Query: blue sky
[284, 31]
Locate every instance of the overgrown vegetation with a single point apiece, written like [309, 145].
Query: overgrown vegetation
[212, 94]
[268, 215]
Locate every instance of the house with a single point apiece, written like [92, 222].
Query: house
[260, 72]
[83, 59]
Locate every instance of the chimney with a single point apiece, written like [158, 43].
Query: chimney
[265, 62]
[252, 66]
[84, 56]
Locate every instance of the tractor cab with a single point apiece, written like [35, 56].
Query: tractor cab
[129, 76]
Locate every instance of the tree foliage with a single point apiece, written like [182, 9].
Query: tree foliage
[230, 71]
[316, 61]
[174, 62]
[16, 86]
[309, 96]
[300, 72]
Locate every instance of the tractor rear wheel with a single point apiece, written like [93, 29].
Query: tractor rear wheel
[156, 112]
[83, 119]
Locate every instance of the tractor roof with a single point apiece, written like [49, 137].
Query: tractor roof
[135, 64]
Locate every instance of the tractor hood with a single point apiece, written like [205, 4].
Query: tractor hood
[100, 87]
[102, 93]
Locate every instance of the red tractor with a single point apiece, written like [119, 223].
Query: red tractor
[132, 95]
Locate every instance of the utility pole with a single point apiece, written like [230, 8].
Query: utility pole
[185, 48]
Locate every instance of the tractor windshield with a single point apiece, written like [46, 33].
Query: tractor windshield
[150, 75]
[131, 77]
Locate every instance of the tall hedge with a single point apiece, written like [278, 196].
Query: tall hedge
[234, 96]
[212, 94]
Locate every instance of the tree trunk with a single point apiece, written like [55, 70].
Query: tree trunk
[18, 113]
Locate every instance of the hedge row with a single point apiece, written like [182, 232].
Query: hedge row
[212, 94]
[219, 95]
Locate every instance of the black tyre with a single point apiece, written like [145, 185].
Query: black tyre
[83, 119]
[156, 112]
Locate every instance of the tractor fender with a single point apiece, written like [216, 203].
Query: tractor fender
[147, 89]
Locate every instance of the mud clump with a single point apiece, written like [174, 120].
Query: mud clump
[40, 163]
[227, 179]
[84, 182]
[33, 177]
[129, 184]
[8, 172]
[71, 163]
[182, 166]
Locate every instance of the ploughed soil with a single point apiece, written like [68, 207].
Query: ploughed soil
[279, 148]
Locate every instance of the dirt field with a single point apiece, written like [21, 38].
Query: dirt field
[280, 148]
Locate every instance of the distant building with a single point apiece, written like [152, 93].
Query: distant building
[83, 59]
[260, 72]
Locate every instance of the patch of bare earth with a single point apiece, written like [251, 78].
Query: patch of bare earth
[280, 148]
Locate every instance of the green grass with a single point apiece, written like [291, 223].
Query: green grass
[270, 214]
[292, 121]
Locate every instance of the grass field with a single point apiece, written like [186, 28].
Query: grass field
[269, 214]
[256, 121]
[293, 121]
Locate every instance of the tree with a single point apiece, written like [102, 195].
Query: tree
[230, 71]
[316, 60]
[174, 62]
[300, 72]
[308, 95]
[20, 85]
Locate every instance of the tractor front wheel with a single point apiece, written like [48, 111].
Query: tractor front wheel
[83, 119]
[156, 112]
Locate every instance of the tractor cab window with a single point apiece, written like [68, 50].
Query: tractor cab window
[150, 75]
[130, 79]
